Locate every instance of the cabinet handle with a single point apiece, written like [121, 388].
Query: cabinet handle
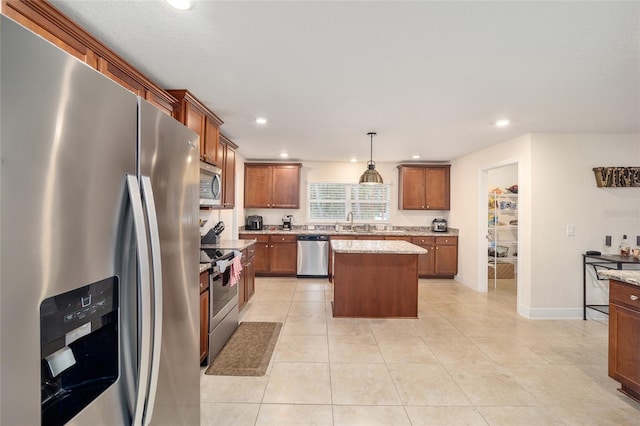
[633, 297]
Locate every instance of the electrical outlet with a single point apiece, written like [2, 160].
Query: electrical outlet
[571, 230]
[607, 240]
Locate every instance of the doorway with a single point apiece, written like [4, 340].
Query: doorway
[499, 221]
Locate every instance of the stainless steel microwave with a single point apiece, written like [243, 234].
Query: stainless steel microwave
[210, 185]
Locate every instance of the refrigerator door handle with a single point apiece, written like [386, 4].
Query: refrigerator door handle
[152, 220]
[144, 287]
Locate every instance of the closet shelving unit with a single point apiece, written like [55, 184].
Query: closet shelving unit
[503, 230]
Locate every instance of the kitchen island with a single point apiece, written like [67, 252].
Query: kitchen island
[375, 278]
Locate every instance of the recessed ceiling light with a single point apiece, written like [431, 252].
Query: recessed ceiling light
[415, 156]
[261, 120]
[354, 160]
[182, 4]
[284, 155]
[502, 123]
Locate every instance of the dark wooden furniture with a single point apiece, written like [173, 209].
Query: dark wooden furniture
[272, 185]
[204, 315]
[624, 336]
[424, 187]
[227, 157]
[441, 261]
[375, 285]
[196, 116]
[601, 262]
[44, 19]
[247, 283]
[275, 255]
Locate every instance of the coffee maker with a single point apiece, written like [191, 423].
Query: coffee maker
[287, 222]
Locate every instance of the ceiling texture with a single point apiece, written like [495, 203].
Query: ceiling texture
[429, 77]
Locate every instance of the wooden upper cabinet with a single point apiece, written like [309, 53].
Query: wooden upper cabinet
[286, 186]
[116, 74]
[228, 172]
[196, 116]
[209, 150]
[424, 187]
[257, 185]
[272, 185]
[44, 19]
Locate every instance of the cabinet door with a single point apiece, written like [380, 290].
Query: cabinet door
[412, 191]
[229, 178]
[194, 119]
[242, 287]
[426, 262]
[261, 258]
[624, 341]
[286, 187]
[204, 325]
[211, 140]
[250, 275]
[437, 188]
[257, 186]
[446, 262]
[121, 77]
[283, 258]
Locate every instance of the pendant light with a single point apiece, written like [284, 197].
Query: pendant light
[371, 176]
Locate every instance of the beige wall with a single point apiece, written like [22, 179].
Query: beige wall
[556, 189]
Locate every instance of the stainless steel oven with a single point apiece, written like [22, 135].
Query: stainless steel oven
[223, 305]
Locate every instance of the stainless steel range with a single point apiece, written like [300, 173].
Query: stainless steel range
[223, 301]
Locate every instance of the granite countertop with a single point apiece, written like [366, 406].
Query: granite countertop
[376, 247]
[413, 231]
[626, 276]
[204, 267]
[230, 245]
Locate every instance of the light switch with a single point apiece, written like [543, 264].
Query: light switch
[571, 230]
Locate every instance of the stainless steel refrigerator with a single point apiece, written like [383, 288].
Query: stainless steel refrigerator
[99, 247]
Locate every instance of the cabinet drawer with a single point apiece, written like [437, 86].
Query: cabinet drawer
[624, 294]
[261, 238]
[249, 252]
[443, 241]
[284, 238]
[204, 281]
[423, 240]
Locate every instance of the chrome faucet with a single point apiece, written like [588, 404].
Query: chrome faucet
[350, 217]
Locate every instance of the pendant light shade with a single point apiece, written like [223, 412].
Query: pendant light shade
[371, 176]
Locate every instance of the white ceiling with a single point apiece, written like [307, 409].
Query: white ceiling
[429, 77]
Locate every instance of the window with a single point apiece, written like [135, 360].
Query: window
[332, 201]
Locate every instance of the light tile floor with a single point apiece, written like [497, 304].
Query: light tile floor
[469, 359]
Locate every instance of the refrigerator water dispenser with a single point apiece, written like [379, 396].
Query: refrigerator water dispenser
[79, 349]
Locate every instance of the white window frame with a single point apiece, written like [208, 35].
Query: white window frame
[348, 203]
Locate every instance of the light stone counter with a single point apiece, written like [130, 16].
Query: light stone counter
[230, 245]
[204, 267]
[376, 247]
[626, 276]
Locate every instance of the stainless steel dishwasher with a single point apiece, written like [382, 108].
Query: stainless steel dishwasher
[313, 256]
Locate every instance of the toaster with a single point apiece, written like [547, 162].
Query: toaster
[254, 223]
[439, 225]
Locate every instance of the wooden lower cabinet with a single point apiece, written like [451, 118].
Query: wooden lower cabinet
[204, 315]
[624, 337]
[275, 255]
[441, 261]
[247, 283]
